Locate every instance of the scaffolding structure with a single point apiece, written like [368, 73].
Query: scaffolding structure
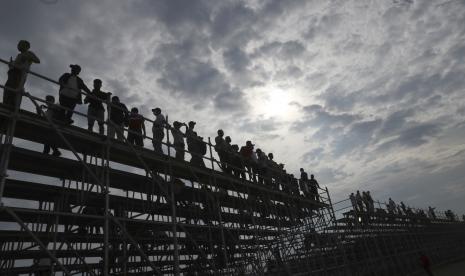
[109, 207]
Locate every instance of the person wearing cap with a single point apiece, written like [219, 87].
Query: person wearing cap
[178, 139]
[313, 187]
[118, 117]
[304, 182]
[96, 111]
[17, 74]
[136, 128]
[70, 91]
[158, 130]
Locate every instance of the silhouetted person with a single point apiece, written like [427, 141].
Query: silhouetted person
[199, 149]
[220, 148]
[158, 130]
[51, 112]
[191, 135]
[313, 185]
[17, 74]
[304, 183]
[404, 208]
[353, 201]
[250, 159]
[431, 213]
[178, 138]
[70, 91]
[426, 264]
[392, 207]
[236, 162]
[119, 114]
[272, 170]
[261, 165]
[359, 200]
[96, 111]
[136, 128]
[227, 154]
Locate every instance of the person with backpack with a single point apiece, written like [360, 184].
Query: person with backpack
[70, 91]
[136, 128]
[199, 149]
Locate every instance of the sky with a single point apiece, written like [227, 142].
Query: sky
[365, 94]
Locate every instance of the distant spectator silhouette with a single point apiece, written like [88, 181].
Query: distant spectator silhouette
[431, 212]
[261, 166]
[158, 130]
[249, 158]
[199, 149]
[353, 201]
[70, 91]
[391, 207]
[304, 183]
[178, 138]
[191, 135]
[52, 113]
[17, 74]
[227, 154]
[236, 162]
[96, 111]
[314, 186]
[136, 128]
[220, 148]
[359, 199]
[118, 116]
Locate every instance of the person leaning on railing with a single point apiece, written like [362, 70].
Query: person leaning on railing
[96, 111]
[178, 139]
[17, 74]
[158, 132]
[136, 128]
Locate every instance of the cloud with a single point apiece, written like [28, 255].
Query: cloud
[413, 136]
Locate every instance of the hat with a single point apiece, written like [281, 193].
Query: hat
[155, 109]
[248, 143]
[72, 66]
[192, 123]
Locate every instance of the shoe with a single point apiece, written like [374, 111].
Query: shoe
[56, 153]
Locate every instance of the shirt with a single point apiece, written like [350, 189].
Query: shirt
[96, 103]
[118, 113]
[159, 121]
[71, 90]
[135, 122]
[178, 137]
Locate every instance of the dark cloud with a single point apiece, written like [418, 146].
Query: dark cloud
[413, 136]
[236, 60]
[395, 122]
[358, 136]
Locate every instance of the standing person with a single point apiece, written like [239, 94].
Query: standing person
[313, 187]
[199, 149]
[262, 160]
[158, 130]
[249, 158]
[136, 128]
[178, 138]
[191, 135]
[52, 113]
[220, 148]
[391, 206]
[371, 202]
[118, 117]
[70, 91]
[237, 165]
[17, 74]
[96, 111]
[227, 154]
[353, 201]
[359, 200]
[304, 183]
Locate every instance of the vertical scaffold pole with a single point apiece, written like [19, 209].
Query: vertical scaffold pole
[173, 205]
[106, 230]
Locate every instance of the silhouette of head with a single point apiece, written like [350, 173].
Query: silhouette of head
[192, 124]
[135, 110]
[227, 139]
[301, 169]
[176, 124]
[249, 144]
[270, 156]
[23, 46]
[220, 132]
[115, 99]
[97, 84]
[75, 69]
[235, 147]
[50, 99]
[312, 176]
[156, 111]
[258, 150]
